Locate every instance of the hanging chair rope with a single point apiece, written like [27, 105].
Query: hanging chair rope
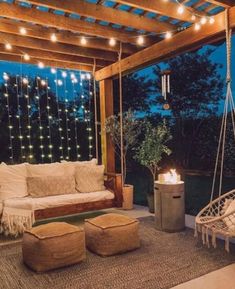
[95, 110]
[228, 102]
[121, 110]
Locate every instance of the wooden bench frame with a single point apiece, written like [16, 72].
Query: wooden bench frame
[113, 183]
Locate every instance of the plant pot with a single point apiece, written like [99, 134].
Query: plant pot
[127, 191]
[150, 199]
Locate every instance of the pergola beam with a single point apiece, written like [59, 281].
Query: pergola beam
[179, 43]
[163, 8]
[47, 55]
[13, 11]
[223, 3]
[105, 14]
[49, 63]
[38, 44]
[66, 37]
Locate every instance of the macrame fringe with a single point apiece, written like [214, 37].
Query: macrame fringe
[15, 221]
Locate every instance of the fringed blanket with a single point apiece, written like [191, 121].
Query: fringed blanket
[15, 220]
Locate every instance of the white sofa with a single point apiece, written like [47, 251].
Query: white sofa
[30, 192]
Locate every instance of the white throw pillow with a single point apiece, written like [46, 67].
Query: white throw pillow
[70, 167]
[13, 181]
[89, 178]
[230, 221]
[54, 169]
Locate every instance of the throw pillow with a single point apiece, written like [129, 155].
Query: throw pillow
[89, 178]
[70, 167]
[51, 185]
[54, 169]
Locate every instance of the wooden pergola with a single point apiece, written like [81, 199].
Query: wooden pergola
[82, 31]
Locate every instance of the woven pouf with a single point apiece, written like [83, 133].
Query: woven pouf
[52, 246]
[112, 234]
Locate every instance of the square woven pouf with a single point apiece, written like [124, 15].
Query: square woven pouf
[112, 234]
[52, 246]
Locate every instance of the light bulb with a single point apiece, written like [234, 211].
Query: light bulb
[5, 76]
[112, 42]
[140, 40]
[53, 70]
[212, 20]
[64, 74]
[168, 35]
[180, 10]
[41, 65]
[23, 31]
[83, 76]
[25, 80]
[43, 82]
[83, 41]
[72, 75]
[53, 37]
[88, 76]
[8, 46]
[203, 20]
[59, 82]
[197, 26]
[193, 17]
[26, 57]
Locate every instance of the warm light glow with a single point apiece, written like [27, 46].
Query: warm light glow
[112, 42]
[25, 80]
[140, 40]
[193, 17]
[5, 76]
[43, 82]
[53, 70]
[168, 35]
[41, 65]
[83, 41]
[59, 82]
[26, 57]
[23, 31]
[171, 177]
[180, 10]
[64, 74]
[197, 26]
[203, 20]
[8, 46]
[212, 20]
[53, 37]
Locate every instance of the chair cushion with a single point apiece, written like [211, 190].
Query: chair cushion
[111, 234]
[51, 185]
[89, 178]
[52, 246]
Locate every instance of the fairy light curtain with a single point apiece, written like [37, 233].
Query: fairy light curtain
[47, 118]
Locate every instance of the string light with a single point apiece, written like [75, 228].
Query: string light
[18, 116]
[50, 155]
[41, 65]
[203, 20]
[26, 57]
[8, 46]
[180, 9]
[23, 31]
[140, 40]
[83, 41]
[168, 35]
[197, 26]
[40, 121]
[10, 127]
[53, 37]
[89, 118]
[29, 121]
[112, 42]
[53, 70]
[212, 20]
[64, 74]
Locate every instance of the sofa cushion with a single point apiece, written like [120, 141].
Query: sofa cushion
[89, 178]
[54, 169]
[51, 185]
[70, 167]
[13, 181]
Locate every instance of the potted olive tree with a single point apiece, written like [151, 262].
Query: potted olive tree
[151, 150]
[131, 129]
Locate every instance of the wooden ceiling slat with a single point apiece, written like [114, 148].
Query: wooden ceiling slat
[49, 63]
[16, 12]
[160, 7]
[105, 14]
[223, 3]
[47, 55]
[39, 44]
[66, 37]
[179, 43]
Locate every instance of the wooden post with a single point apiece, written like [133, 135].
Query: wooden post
[106, 109]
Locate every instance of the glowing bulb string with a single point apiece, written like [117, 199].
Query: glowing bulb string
[29, 119]
[74, 81]
[66, 116]
[89, 118]
[40, 121]
[49, 117]
[59, 115]
[10, 127]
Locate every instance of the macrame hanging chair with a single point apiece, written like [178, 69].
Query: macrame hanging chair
[218, 217]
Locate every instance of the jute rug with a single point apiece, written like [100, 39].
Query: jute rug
[163, 261]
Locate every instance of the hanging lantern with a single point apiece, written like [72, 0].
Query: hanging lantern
[165, 77]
